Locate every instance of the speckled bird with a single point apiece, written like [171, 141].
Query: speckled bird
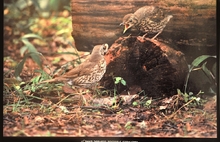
[147, 20]
[87, 73]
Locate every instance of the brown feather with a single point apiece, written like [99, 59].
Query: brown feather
[84, 69]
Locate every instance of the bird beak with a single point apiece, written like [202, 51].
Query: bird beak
[126, 28]
[124, 31]
[105, 48]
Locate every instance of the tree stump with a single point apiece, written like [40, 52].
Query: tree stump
[154, 66]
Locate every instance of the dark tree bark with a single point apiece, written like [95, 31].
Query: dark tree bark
[155, 67]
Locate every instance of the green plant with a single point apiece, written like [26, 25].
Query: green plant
[118, 80]
[128, 125]
[190, 98]
[135, 104]
[197, 65]
[148, 103]
[20, 65]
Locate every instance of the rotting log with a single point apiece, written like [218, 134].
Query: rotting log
[155, 67]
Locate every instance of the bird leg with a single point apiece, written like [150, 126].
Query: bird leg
[156, 35]
[124, 38]
[127, 37]
[141, 38]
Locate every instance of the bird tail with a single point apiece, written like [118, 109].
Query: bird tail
[53, 80]
[48, 81]
[166, 19]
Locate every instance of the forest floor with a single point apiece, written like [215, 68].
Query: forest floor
[33, 109]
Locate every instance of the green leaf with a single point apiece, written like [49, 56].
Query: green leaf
[123, 82]
[33, 89]
[117, 80]
[214, 70]
[128, 125]
[33, 52]
[67, 8]
[198, 99]
[23, 49]
[19, 67]
[179, 92]
[31, 36]
[29, 45]
[35, 79]
[134, 103]
[56, 60]
[62, 31]
[200, 59]
[35, 56]
[148, 102]
[54, 4]
[208, 73]
[185, 96]
[190, 93]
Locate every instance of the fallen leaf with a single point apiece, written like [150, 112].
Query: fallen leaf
[188, 127]
[38, 119]
[26, 121]
[67, 89]
[162, 107]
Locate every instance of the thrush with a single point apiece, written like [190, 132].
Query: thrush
[150, 27]
[87, 73]
[145, 19]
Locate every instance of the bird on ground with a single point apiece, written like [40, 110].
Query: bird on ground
[87, 73]
[147, 20]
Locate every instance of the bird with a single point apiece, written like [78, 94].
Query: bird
[147, 20]
[87, 73]
[125, 18]
[150, 27]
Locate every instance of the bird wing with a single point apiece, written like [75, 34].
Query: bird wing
[145, 11]
[82, 69]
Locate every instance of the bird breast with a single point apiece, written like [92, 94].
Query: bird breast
[96, 73]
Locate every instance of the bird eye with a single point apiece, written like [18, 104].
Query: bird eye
[104, 47]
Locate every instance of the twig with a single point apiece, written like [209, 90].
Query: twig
[180, 108]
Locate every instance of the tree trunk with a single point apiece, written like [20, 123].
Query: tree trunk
[154, 66]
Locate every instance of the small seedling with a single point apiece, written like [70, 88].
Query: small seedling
[120, 80]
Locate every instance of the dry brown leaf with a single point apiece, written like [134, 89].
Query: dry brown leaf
[26, 120]
[188, 127]
[38, 119]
